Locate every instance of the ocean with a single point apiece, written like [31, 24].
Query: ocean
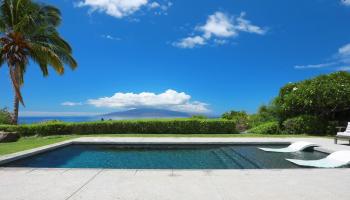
[32, 120]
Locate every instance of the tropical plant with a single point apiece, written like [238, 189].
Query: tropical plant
[29, 32]
[5, 116]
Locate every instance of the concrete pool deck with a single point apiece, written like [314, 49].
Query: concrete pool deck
[109, 184]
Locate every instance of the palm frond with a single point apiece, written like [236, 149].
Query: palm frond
[29, 31]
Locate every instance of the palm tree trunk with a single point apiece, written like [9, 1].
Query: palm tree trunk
[14, 77]
[15, 110]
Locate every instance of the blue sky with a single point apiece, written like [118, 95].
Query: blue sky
[200, 56]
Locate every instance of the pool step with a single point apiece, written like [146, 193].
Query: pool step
[246, 158]
[223, 159]
[238, 158]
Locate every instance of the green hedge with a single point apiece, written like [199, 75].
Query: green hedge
[270, 128]
[177, 126]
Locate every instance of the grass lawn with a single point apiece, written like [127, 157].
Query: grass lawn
[33, 142]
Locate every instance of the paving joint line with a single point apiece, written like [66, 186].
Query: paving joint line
[66, 170]
[30, 171]
[87, 182]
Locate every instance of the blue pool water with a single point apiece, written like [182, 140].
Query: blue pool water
[164, 157]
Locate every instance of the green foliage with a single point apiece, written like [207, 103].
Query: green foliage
[54, 121]
[305, 124]
[270, 128]
[266, 113]
[234, 115]
[199, 117]
[5, 116]
[176, 126]
[326, 96]
[239, 117]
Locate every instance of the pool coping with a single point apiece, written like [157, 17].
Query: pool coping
[147, 141]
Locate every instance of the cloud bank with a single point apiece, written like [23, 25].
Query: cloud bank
[121, 8]
[170, 99]
[218, 27]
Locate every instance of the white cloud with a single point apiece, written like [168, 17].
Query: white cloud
[121, 8]
[218, 26]
[345, 2]
[154, 5]
[246, 26]
[190, 42]
[110, 37]
[161, 8]
[317, 66]
[170, 99]
[115, 8]
[344, 54]
[338, 61]
[69, 103]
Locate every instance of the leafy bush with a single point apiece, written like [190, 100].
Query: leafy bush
[305, 124]
[326, 96]
[270, 128]
[239, 117]
[5, 116]
[177, 126]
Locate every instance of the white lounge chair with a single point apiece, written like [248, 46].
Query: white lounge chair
[343, 135]
[294, 147]
[336, 159]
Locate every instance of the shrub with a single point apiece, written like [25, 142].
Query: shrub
[240, 118]
[176, 126]
[270, 128]
[305, 124]
[5, 116]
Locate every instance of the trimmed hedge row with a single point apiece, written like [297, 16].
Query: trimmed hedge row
[177, 126]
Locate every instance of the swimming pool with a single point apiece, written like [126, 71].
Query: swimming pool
[164, 156]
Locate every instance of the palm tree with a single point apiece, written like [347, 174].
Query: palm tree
[28, 31]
